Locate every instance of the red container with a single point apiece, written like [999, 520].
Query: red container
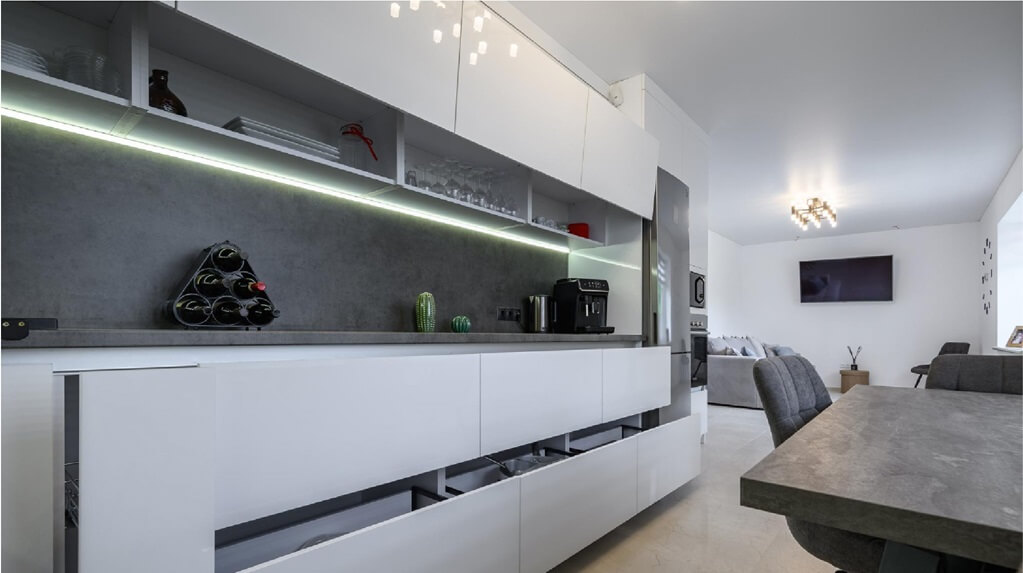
[580, 229]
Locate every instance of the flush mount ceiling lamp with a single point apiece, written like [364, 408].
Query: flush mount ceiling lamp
[814, 212]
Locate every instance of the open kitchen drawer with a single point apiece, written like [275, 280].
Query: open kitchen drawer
[476, 531]
[568, 505]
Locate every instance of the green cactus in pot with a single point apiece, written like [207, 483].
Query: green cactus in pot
[426, 313]
[460, 323]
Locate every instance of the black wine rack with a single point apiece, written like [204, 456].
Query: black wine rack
[222, 291]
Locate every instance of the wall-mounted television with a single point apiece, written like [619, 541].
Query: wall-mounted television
[846, 280]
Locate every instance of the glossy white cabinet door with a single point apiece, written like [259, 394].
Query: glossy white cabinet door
[571, 504]
[667, 130]
[146, 471]
[636, 380]
[293, 433]
[528, 107]
[619, 158]
[699, 407]
[359, 44]
[529, 396]
[696, 175]
[32, 475]
[474, 532]
[669, 456]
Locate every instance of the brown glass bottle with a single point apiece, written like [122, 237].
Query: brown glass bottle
[160, 95]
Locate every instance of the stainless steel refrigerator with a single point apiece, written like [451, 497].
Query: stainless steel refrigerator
[666, 287]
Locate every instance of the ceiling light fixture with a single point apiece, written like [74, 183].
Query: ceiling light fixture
[814, 212]
[267, 176]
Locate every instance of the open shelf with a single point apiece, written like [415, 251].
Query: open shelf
[575, 242]
[220, 77]
[169, 130]
[433, 203]
[38, 94]
[554, 200]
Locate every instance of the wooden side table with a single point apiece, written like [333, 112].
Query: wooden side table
[851, 378]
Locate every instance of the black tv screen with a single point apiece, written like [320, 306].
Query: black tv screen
[846, 280]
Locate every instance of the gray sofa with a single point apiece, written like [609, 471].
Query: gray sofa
[730, 381]
[730, 362]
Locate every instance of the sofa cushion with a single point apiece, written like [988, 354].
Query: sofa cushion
[758, 347]
[716, 345]
[747, 352]
[773, 349]
[738, 343]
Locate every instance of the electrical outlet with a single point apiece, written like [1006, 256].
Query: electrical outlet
[509, 313]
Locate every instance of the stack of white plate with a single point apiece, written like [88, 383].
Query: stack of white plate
[283, 137]
[22, 57]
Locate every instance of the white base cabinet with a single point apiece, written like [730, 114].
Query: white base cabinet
[569, 505]
[529, 396]
[669, 456]
[218, 446]
[477, 531]
[634, 381]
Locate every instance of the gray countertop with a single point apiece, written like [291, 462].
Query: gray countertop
[937, 469]
[93, 338]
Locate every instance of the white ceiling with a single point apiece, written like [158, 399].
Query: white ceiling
[897, 113]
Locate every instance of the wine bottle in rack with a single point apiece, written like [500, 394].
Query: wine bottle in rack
[262, 312]
[192, 309]
[211, 283]
[228, 311]
[247, 286]
[227, 258]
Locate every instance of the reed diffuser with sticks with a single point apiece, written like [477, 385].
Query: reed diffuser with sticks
[854, 366]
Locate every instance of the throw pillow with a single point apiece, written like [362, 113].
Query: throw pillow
[716, 345]
[784, 351]
[747, 352]
[758, 347]
[729, 351]
[736, 343]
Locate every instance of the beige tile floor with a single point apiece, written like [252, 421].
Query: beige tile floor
[701, 528]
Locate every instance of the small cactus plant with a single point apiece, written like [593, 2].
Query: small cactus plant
[460, 323]
[426, 313]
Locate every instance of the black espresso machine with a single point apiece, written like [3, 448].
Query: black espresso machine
[580, 306]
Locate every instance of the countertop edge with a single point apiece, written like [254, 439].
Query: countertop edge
[986, 543]
[119, 338]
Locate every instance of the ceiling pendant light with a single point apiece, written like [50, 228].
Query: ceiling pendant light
[815, 212]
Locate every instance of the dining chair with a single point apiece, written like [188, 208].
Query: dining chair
[947, 348]
[793, 394]
[998, 374]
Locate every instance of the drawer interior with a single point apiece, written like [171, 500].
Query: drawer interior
[300, 531]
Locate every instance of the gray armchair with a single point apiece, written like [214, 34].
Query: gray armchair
[973, 373]
[793, 394]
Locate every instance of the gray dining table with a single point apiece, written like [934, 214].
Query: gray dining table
[934, 469]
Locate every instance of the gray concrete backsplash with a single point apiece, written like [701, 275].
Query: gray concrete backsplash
[99, 236]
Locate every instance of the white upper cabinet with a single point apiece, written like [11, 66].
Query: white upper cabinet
[395, 56]
[668, 131]
[619, 158]
[653, 111]
[696, 174]
[516, 99]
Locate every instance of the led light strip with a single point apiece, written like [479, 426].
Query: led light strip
[606, 261]
[346, 195]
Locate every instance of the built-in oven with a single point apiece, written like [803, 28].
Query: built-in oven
[697, 290]
[698, 348]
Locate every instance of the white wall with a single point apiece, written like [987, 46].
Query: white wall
[724, 287]
[993, 333]
[1009, 273]
[935, 299]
